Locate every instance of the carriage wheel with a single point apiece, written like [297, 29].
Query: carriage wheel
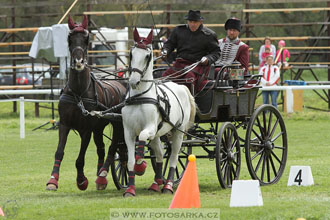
[119, 168]
[228, 155]
[266, 145]
[185, 151]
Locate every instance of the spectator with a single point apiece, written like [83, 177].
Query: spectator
[267, 41]
[270, 76]
[284, 56]
[193, 42]
[265, 54]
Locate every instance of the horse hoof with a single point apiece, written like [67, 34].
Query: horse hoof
[154, 188]
[83, 185]
[52, 183]
[168, 188]
[101, 183]
[129, 192]
[140, 168]
[51, 187]
[167, 191]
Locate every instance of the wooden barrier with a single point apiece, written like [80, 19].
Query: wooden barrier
[25, 43]
[16, 87]
[285, 10]
[14, 30]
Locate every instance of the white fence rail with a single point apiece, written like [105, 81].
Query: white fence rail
[289, 94]
[22, 100]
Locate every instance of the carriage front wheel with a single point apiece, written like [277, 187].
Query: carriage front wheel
[266, 145]
[228, 155]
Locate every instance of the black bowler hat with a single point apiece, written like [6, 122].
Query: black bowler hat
[194, 16]
[233, 23]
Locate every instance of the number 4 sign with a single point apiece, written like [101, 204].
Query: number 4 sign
[300, 176]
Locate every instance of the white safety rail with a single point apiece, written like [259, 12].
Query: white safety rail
[21, 100]
[289, 93]
[22, 110]
[29, 92]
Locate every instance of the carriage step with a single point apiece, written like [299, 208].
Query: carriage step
[194, 141]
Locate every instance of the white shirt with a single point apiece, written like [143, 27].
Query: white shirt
[270, 74]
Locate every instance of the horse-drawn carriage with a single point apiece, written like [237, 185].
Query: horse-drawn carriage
[225, 108]
[152, 109]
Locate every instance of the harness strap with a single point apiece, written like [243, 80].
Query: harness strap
[182, 113]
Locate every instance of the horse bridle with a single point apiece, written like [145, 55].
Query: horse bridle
[141, 72]
[84, 51]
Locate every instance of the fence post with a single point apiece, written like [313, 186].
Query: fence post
[289, 100]
[21, 117]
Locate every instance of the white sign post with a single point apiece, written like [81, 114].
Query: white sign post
[21, 117]
[300, 176]
[245, 193]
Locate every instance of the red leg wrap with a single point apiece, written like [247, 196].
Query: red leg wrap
[155, 185]
[168, 187]
[130, 191]
[140, 168]
[83, 185]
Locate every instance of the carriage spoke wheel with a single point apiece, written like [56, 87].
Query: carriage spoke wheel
[185, 151]
[266, 145]
[228, 155]
[119, 168]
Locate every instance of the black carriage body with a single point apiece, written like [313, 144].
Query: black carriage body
[225, 104]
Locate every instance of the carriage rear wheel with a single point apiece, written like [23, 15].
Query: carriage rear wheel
[119, 168]
[228, 155]
[266, 145]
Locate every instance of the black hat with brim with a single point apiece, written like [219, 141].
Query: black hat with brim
[233, 23]
[194, 16]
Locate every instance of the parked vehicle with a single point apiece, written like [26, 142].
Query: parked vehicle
[24, 74]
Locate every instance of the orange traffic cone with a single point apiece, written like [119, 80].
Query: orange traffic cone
[1, 212]
[187, 194]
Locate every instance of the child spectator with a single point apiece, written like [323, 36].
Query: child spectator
[267, 41]
[265, 54]
[284, 56]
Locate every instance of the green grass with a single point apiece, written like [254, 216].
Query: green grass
[26, 164]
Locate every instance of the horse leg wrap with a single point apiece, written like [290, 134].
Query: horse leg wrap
[101, 181]
[54, 181]
[155, 185]
[82, 183]
[168, 187]
[140, 164]
[130, 191]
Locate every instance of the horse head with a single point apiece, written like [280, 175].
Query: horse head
[78, 43]
[141, 59]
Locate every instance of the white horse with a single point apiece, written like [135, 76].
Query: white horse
[143, 116]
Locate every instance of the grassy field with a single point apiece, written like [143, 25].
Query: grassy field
[26, 164]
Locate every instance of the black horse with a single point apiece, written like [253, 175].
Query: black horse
[82, 94]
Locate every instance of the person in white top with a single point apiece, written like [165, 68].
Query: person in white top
[267, 41]
[270, 77]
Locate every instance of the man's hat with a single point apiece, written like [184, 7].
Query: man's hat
[194, 16]
[233, 23]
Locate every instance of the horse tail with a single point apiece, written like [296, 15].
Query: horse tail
[192, 109]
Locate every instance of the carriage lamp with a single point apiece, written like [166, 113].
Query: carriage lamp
[236, 74]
